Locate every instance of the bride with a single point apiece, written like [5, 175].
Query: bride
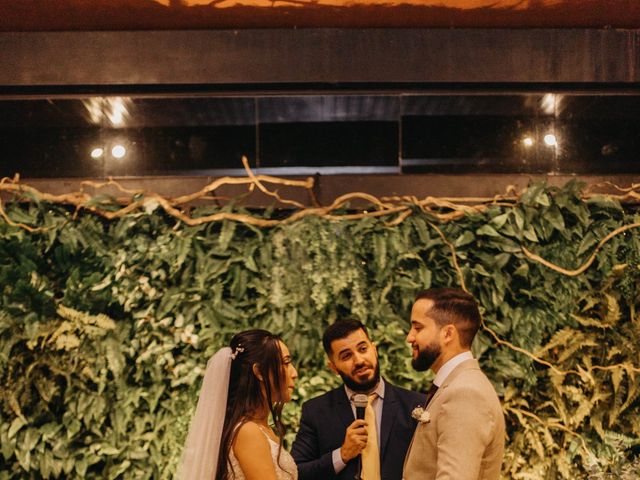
[230, 437]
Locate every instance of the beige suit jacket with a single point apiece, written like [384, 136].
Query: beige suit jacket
[464, 437]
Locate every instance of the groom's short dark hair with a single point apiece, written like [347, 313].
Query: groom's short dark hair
[341, 329]
[454, 306]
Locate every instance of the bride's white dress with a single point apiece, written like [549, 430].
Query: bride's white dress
[286, 468]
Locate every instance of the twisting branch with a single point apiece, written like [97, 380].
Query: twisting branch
[587, 264]
[262, 188]
[454, 257]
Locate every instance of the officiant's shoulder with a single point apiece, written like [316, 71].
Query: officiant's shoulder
[324, 401]
[410, 393]
[411, 397]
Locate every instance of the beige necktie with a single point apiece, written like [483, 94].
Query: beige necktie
[371, 454]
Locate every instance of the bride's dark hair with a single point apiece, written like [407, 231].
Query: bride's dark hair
[245, 399]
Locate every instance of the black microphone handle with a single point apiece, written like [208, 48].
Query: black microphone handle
[359, 402]
[359, 416]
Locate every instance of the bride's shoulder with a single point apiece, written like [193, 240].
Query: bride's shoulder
[251, 445]
[248, 428]
[250, 434]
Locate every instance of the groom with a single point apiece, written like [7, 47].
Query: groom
[461, 435]
[331, 442]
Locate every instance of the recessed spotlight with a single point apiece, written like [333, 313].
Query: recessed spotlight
[527, 141]
[550, 139]
[118, 151]
[97, 152]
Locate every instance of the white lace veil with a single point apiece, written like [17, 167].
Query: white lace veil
[200, 457]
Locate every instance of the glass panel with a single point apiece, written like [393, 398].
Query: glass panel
[599, 134]
[331, 133]
[473, 133]
[122, 136]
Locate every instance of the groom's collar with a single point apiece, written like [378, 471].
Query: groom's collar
[448, 367]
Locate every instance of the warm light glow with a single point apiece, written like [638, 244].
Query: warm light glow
[550, 139]
[548, 103]
[462, 4]
[118, 151]
[117, 118]
[97, 152]
[116, 110]
[528, 141]
[94, 108]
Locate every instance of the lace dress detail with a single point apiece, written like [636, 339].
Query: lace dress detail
[286, 470]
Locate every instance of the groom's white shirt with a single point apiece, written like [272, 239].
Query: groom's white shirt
[448, 367]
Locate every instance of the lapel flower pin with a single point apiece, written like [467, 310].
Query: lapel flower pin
[421, 415]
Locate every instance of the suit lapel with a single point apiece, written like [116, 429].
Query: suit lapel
[343, 407]
[471, 364]
[389, 409]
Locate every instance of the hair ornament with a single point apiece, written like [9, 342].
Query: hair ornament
[238, 349]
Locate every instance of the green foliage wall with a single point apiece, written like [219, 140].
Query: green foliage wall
[106, 326]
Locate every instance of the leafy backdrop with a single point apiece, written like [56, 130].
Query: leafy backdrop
[106, 324]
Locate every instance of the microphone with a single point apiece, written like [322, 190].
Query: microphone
[360, 402]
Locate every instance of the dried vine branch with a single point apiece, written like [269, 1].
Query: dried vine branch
[590, 260]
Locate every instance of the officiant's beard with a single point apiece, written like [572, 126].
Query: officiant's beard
[365, 387]
[426, 357]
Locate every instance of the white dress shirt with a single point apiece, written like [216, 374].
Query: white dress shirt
[448, 367]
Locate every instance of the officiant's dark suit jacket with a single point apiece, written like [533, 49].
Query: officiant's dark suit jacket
[325, 420]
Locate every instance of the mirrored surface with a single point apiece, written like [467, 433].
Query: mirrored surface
[99, 136]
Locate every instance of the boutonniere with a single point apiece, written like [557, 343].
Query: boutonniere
[421, 415]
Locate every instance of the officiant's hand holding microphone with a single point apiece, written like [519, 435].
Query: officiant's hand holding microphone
[355, 438]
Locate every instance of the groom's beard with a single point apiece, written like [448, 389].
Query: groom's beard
[365, 387]
[426, 357]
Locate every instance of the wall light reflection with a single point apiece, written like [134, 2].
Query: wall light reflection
[97, 152]
[118, 151]
[550, 139]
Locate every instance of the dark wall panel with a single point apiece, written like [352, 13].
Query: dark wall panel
[262, 58]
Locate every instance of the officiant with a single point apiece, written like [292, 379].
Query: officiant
[331, 443]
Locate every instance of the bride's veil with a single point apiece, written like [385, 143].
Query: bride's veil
[200, 457]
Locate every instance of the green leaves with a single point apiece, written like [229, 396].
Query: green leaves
[106, 327]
